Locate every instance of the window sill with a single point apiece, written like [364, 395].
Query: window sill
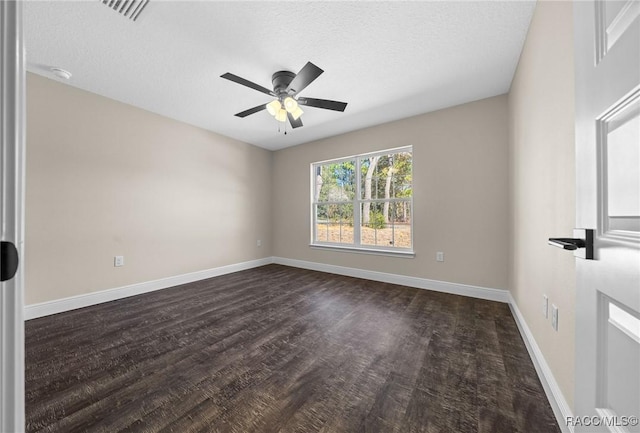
[378, 252]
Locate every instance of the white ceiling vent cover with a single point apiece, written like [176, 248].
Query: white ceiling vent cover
[128, 8]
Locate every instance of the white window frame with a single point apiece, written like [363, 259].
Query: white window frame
[357, 202]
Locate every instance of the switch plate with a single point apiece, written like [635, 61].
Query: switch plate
[554, 317]
[439, 256]
[545, 306]
[118, 261]
[259, 242]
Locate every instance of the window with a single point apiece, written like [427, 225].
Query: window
[364, 202]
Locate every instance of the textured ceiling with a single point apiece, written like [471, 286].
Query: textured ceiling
[387, 59]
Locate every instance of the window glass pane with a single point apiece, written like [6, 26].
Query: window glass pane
[400, 221]
[322, 223]
[402, 175]
[386, 176]
[335, 182]
[374, 229]
[334, 223]
[370, 177]
[346, 223]
[388, 224]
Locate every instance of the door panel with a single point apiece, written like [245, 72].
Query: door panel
[619, 145]
[613, 19]
[607, 60]
[620, 375]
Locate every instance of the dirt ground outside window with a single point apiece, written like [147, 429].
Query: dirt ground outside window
[398, 235]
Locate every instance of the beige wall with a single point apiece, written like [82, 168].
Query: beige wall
[460, 194]
[105, 179]
[542, 179]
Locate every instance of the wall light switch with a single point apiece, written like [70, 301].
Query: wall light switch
[118, 261]
[545, 306]
[554, 317]
[439, 256]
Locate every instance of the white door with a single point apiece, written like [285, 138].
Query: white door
[11, 211]
[607, 61]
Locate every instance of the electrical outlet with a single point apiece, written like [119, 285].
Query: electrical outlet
[439, 256]
[545, 306]
[118, 261]
[259, 242]
[554, 317]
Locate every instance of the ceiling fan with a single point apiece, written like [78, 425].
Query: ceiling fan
[286, 86]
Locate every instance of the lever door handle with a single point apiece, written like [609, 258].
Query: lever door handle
[8, 261]
[582, 244]
[567, 243]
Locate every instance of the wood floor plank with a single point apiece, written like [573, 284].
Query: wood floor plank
[280, 349]
[495, 396]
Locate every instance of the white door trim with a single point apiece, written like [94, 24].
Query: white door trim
[12, 147]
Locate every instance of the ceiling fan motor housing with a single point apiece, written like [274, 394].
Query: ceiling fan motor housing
[281, 81]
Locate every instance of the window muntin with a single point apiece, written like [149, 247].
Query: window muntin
[364, 201]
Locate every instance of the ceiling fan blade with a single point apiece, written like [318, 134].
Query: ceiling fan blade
[294, 123]
[231, 77]
[245, 113]
[323, 103]
[307, 74]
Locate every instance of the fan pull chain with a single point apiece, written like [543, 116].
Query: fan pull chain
[285, 128]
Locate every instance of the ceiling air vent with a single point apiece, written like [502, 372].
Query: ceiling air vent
[128, 8]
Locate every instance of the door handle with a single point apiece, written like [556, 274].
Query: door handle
[567, 243]
[8, 261]
[581, 244]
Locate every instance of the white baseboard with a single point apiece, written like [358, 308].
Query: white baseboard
[420, 283]
[34, 311]
[558, 403]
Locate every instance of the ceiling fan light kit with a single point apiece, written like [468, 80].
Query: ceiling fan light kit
[279, 109]
[286, 86]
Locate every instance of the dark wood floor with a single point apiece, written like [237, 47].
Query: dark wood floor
[279, 349]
